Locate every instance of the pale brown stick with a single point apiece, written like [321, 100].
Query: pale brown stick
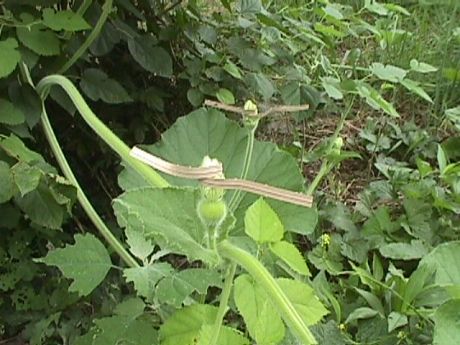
[261, 189]
[241, 111]
[210, 176]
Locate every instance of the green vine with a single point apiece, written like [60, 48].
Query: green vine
[85, 203]
[106, 8]
[223, 303]
[100, 128]
[266, 280]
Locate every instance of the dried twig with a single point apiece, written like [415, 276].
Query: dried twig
[211, 176]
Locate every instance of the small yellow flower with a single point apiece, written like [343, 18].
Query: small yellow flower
[402, 335]
[325, 240]
[342, 327]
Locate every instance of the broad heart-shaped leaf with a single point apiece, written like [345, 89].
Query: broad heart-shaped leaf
[37, 38]
[86, 262]
[289, 253]
[302, 296]
[193, 325]
[447, 323]
[445, 260]
[145, 278]
[209, 133]
[9, 114]
[388, 72]
[261, 318]
[9, 56]
[64, 20]
[421, 67]
[151, 57]
[262, 223]
[170, 219]
[175, 288]
[98, 86]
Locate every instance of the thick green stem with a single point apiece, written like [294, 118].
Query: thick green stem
[271, 287]
[326, 165]
[325, 168]
[235, 200]
[100, 128]
[223, 304]
[85, 203]
[106, 8]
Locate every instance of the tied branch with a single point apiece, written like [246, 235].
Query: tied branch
[211, 176]
[269, 111]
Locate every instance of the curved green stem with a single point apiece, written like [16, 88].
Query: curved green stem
[85, 203]
[235, 200]
[223, 304]
[100, 128]
[106, 8]
[326, 165]
[271, 287]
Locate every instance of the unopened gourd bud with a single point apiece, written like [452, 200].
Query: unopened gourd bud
[212, 208]
[212, 213]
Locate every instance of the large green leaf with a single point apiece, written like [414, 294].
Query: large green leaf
[98, 86]
[208, 133]
[64, 20]
[37, 38]
[184, 326]
[416, 249]
[375, 99]
[42, 207]
[302, 296]
[447, 323]
[86, 262]
[175, 288]
[388, 72]
[9, 114]
[193, 325]
[261, 318]
[445, 260]
[289, 253]
[26, 177]
[9, 56]
[170, 219]
[145, 278]
[129, 325]
[151, 57]
[136, 236]
[227, 336]
[262, 223]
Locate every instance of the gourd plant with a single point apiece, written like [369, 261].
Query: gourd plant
[217, 231]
